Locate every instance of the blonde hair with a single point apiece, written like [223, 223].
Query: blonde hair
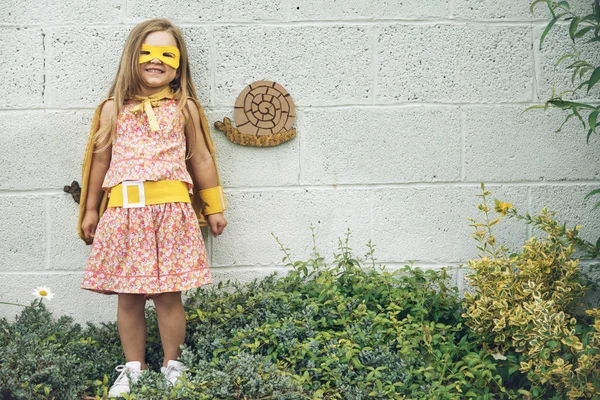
[127, 83]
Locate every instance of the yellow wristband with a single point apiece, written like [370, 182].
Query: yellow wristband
[214, 201]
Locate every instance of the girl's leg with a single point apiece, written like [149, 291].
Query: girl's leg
[132, 326]
[171, 324]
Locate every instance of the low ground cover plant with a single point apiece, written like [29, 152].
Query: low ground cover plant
[349, 329]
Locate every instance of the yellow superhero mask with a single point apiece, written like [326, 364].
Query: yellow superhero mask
[167, 54]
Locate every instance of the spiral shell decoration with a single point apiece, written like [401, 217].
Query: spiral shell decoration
[264, 113]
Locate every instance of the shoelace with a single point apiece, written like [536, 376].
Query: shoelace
[123, 373]
[173, 369]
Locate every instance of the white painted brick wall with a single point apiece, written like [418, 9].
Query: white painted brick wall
[503, 143]
[320, 65]
[380, 145]
[23, 83]
[454, 63]
[403, 109]
[38, 148]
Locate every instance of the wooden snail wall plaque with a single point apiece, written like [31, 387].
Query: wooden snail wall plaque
[264, 113]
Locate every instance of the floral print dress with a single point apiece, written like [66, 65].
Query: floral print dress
[157, 248]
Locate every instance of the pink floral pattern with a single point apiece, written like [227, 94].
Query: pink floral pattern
[140, 154]
[158, 248]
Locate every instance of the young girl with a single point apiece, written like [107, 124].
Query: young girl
[149, 149]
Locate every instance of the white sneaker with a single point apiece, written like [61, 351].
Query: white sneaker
[130, 372]
[173, 370]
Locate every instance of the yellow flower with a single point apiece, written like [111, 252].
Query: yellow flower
[43, 292]
[502, 207]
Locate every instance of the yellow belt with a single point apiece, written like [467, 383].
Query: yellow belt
[136, 194]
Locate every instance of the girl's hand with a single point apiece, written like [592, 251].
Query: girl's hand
[217, 223]
[89, 223]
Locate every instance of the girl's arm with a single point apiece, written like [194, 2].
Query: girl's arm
[203, 166]
[99, 166]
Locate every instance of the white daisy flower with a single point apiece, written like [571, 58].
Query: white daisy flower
[43, 292]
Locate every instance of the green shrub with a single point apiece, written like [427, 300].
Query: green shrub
[350, 330]
[525, 307]
[43, 358]
[346, 331]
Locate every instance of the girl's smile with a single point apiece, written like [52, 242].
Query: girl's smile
[156, 75]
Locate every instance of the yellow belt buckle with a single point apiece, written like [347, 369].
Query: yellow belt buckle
[142, 194]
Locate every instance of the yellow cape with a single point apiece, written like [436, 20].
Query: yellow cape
[87, 164]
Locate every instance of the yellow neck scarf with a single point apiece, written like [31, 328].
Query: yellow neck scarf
[151, 101]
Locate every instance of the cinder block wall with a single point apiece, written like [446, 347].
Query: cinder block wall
[403, 109]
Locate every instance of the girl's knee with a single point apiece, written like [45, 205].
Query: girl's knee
[167, 301]
[131, 301]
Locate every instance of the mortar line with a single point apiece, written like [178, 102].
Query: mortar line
[276, 267]
[375, 63]
[249, 268]
[212, 65]
[45, 272]
[259, 267]
[463, 151]
[48, 233]
[300, 148]
[44, 68]
[389, 264]
[408, 185]
[332, 22]
[534, 63]
[371, 212]
[211, 247]
[529, 231]
[32, 192]
[347, 186]
[348, 106]
[223, 268]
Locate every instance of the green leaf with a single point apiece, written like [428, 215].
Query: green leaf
[565, 104]
[564, 57]
[579, 63]
[512, 369]
[549, 3]
[594, 78]
[548, 27]
[579, 117]
[564, 122]
[583, 31]
[593, 119]
[534, 4]
[594, 39]
[564, 5]
[593, 192]
[582, 84]
[584, 71]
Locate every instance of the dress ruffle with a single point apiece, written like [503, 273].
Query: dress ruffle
[154, 249]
